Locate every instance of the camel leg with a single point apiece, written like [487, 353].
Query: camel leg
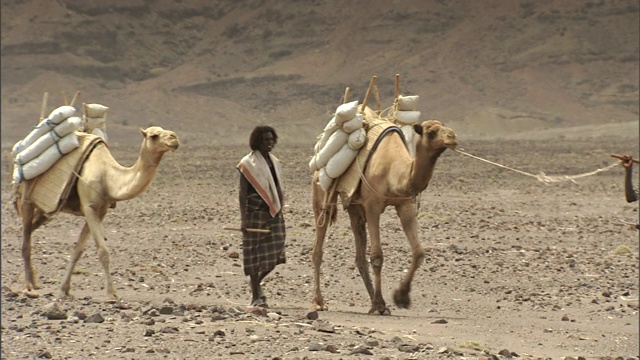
[407, 215]
[377, 259]
[78, 250]
[27, 212]
[322, 220]
[94, 221]
[356, 215]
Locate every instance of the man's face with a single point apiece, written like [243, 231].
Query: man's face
[268, 142]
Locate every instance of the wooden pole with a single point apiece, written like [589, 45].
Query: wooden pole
[366, 97]
[248, 229]
[397, 85]
[43, 108]
[75, 97]
[347, 94]
[624, 158]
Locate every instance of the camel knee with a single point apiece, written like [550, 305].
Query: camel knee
[418, 256]
[103, 256]
[376, 262]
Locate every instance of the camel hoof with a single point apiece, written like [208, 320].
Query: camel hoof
[30, 293]
[402, 299]
[318, 307]
[381, 309]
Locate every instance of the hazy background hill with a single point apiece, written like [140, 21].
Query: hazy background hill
[211, 70]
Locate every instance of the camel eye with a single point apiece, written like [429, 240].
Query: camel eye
[154, 137]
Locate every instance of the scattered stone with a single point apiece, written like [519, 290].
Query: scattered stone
[371, 342]
[440, 321]
[332, 349]
[53, 312]
[73, 319]
[169, 330]
[317, 347]
[149, 322]
[274, 316]
[323, 326]
[312, 315]
[79, 314]
[361, 350]
[408, 348]
[149, 332]
[506, 353]
[94, 319]
[565, 318]
[44, 354]
[219, 333]
[166, 310]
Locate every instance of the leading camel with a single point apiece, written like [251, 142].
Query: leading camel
[390, 178]
[101, 183]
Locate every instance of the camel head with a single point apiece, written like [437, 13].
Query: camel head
[158, 140]
[435, 136]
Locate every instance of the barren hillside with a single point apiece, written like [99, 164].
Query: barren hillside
[211, 70]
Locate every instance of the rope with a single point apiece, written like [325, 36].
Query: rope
[542, 177]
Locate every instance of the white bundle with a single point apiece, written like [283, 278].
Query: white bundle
[67, 126]
[95, 117]
[340, 161]
[43, 127]
[411, 138]
[324, 179]
[346, 112]
[337, 139]
[45, 160]
[326, 134]
[357, 139]
[407, 102]
[408, 117]
[354, 124]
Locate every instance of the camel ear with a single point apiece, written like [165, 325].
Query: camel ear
[417, 128]
[144, 133]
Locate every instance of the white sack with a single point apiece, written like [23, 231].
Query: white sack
[340, 161]
[313, 166]
[346, 112]
[328, 131]
[353, 124]
[357, 139]
[407, 117]
[408, 102]
[44, 126]
[101, 133]
[95, 110]
[335, 142]
[67, 126]
[411, 138]
[45, 160]
[324, 180]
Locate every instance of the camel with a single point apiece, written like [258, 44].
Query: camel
[101, 183]
[390, 178]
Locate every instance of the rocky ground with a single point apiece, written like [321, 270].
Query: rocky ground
[514, 268]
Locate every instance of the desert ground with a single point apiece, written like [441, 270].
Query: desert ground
[539, 270]
[515, 267]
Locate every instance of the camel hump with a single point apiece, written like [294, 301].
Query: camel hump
[51, 189]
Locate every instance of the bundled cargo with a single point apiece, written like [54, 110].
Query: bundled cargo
[55, 118]
[46, 159]
[45, 141]
[55, 137]
[338, 144]
[95, 118]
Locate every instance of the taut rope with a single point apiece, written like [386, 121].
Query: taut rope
[542, 177]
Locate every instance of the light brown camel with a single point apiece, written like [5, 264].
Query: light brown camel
[102, 183]
[391, 178]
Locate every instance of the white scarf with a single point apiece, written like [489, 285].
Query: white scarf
[255, 169]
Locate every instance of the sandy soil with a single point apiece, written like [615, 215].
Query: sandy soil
[514, 267]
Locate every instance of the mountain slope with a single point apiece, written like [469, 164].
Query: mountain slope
[212, 70]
